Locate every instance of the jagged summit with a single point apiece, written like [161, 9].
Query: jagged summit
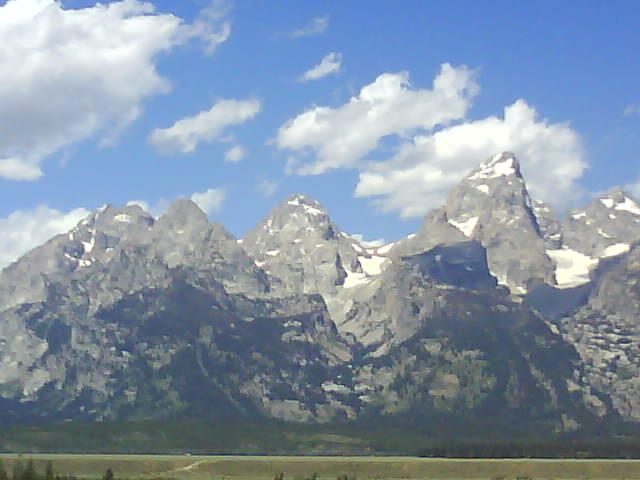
[185, 207]
[618, 199]
[492, 205]
[299, 245]
[299, 203]
[606, 227]
[297, 199]
[110, 215]
[303, 321]
[182, 214]
[297, 215]
[500, 165]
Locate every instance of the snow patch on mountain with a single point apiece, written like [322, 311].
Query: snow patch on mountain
[385, 249]
[465, 226]
[500, 165]
[122, 218]
[615, 249]
[372, 265]
[353, 279]
[628, 205]
[309, 206]
[621, 202]
[572, 268]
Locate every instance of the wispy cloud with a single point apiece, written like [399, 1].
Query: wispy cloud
[331, 63]
[267, 188]
[211, 25]
[633, 109]
[316, 26]
[207, 126]
[235, 154]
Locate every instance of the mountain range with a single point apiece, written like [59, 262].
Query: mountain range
[495, 309]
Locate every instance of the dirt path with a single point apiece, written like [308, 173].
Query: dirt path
[186, 468]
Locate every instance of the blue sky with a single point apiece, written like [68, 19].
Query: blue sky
[367, 133]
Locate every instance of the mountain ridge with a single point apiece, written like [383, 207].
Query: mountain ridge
[129, 316]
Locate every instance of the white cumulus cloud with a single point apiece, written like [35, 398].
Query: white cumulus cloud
[235, 154]
[316, 26]
[207, 126]
[325, 138]
[70, 75]
[419, 176]
[329, 64]
[434, 143]
[23, 230]
[17, 169]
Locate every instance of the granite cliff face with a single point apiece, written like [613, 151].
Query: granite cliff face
[494, 307]
[492, 206]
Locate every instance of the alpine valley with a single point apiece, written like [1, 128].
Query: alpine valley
[495, 311]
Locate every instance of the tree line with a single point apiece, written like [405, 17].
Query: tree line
[608, 449]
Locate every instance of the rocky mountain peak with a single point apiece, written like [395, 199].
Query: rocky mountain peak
[101, 230]
[619, 200]
[298, 207]
[124, 295]
[298, 244]
[492, 206]
[300, 200]
[296, 215]
[93, 243]
[104, 229]
[500, 165]
[184, 213]
[606, 227]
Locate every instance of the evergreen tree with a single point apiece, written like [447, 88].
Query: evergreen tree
[108, 475]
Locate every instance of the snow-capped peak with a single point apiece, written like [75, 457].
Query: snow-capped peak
[308, 205]
[500, 165]
[618, 199]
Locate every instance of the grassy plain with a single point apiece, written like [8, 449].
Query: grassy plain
[253, 468]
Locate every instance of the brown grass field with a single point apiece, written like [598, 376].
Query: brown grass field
[298, 468]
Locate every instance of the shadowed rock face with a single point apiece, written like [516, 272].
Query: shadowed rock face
[462, 265]
[494, 307]
[492, 206]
